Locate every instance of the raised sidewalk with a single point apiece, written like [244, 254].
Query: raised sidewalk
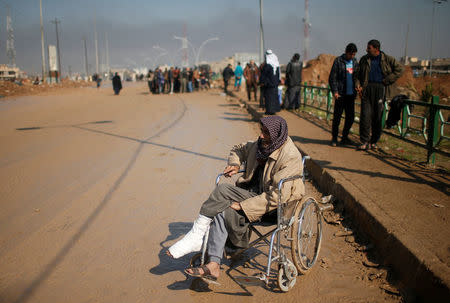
[402, 207]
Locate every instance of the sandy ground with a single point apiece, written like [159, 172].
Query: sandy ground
[94, 187]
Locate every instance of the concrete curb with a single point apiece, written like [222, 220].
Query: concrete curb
[419, 273]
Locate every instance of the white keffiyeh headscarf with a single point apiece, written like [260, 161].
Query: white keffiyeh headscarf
[272, 60]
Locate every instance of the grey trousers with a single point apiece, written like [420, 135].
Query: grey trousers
[292, 97]
[218, 235]
[218, 207]
[371, 113]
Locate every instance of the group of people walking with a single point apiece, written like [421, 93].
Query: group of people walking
[267, 78]
[176, 80]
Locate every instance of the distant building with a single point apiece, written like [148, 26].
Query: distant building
[440, 65]
[244, 58]
[9, 73]
[218, 66]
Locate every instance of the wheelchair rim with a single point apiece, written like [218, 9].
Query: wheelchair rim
[309, 210]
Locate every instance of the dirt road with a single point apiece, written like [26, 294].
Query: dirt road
[95, 186]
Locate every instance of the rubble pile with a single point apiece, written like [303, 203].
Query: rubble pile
[317, 70]
[25, 87]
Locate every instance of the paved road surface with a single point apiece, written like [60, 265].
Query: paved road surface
[95, 186]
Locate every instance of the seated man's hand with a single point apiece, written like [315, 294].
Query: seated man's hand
[236, 206]
[231, 170]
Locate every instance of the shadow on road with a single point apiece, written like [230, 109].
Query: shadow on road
[166, 263]
[237, 119]
[305, 140]
[51, 266]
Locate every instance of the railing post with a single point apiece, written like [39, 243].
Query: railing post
[329, 100]
[304, 94]
[383, 117]
[404, 121]
[433, 133]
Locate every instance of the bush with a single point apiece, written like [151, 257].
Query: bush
[427, 93]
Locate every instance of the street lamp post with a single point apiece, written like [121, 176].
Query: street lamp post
[44, 72]
[261, 32]
[194, 50]
[432, 32]
[184, 40]
[157, 57]
[200, 48]
[164, 52]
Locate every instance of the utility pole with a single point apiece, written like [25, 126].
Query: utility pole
[306, 27]
[44, 72]
[407, 34]
[432, 33]
[10, 50]
[56, 22]
[96, 45]
[107, 52]
[86, 58]
[261, 33]
[185, 48]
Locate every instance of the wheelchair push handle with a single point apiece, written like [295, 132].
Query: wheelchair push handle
[280, 184]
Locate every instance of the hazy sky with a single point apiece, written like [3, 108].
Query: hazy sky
[135, 26]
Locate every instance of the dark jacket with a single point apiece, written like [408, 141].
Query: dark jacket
[338, 76]
[227, 73]
[396, 107]
[117, 84]
[391, 69]
[294, 73]
[268, 79]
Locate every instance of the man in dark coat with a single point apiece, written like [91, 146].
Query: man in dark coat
[293, 82]
[117, 84]
[342, 87]
[270, 78]
[227, 74]
[374, 78]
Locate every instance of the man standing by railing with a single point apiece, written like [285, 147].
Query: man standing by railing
[343, 89]
[293, 82]
[377, 72]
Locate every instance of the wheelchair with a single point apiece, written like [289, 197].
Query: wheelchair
[300, 222]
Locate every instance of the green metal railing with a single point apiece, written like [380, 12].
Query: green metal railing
[433, 125]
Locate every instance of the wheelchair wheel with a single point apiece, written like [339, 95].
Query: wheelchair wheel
[306, 235]
[287, 276]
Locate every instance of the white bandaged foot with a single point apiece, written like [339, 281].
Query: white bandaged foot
[193, 240]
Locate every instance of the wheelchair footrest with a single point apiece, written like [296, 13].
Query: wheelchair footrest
[250, 280]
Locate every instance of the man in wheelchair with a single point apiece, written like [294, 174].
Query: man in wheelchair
[230, 208]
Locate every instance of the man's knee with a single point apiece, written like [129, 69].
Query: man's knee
[223, 188]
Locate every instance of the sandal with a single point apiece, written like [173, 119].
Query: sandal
[364, 146]
[206, 276]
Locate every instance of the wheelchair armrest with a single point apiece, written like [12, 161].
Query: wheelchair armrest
[280, 184]
[221, 174]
